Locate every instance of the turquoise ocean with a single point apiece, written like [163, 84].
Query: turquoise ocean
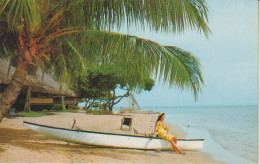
[230, 133]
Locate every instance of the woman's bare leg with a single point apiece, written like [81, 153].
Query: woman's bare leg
[175, 140]
[174, 146]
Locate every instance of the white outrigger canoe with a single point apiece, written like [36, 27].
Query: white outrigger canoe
[112, 140]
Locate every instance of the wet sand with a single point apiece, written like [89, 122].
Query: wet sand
[21, 145]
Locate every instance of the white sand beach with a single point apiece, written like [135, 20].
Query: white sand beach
[21, 145]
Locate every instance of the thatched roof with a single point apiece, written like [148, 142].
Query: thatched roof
[45, 85]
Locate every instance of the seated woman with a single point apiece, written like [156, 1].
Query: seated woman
[163, 133]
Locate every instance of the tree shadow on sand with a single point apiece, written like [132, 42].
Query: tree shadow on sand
[31, 140]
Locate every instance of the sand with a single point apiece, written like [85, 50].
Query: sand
[21, 145]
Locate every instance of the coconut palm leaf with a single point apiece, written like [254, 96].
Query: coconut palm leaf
[20, 13]
[61, 67]
[77, 59]
[159, 15]
[138, 56]
[192, 70]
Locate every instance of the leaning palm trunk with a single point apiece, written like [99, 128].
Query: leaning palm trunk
[13, 89]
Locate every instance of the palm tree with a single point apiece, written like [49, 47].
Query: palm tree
[68, 35]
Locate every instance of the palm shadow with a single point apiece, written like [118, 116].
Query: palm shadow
[31, 140]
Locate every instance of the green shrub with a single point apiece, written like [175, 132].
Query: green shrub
[89, 111]
[98, 112]
[95, 112]
[57, 107]
[73, 107]
[70, 110]
[2, 150]
[34, 114]
[106, 112]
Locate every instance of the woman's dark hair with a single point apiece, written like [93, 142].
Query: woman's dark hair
[159, 117]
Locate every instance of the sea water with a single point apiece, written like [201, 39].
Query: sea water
[230, 133]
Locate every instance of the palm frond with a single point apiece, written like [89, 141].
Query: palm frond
[21, 13]
[141, 56]
[61, 67]
[52, 25]
[160, 15]
[76, 58]
[8, 39]
[191, 71]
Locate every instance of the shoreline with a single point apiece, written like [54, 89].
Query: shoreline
[225, 136]
[218, 152]
[20, 144]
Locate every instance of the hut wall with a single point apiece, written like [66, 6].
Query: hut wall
[69, 102]
[41, 101]
[38, 101]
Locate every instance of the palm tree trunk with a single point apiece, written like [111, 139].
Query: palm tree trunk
[13, 89]
[27, 106]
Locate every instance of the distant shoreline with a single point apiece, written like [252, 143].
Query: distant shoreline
[151, 107]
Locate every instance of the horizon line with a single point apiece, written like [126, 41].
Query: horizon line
[196, 106]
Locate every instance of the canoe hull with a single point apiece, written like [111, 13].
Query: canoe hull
[112, 140]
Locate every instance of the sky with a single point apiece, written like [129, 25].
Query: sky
[228, 57]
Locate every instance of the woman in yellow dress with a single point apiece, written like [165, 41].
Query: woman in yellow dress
[163, 133]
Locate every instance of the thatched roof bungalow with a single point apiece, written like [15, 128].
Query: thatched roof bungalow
[45, 90]
[44, 85]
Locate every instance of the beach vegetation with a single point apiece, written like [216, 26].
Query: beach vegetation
[95, 111]
[73, 107]
[99, 87]
[60, 108]
[64, 110]
[69, 110]
[57, 107]
[2, 149]
[34, 114]
[64, 37]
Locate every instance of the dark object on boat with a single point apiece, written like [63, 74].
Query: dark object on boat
[126, 121]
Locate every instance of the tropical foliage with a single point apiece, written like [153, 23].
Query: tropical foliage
[34, 114]
[67, 36]
[100, 86]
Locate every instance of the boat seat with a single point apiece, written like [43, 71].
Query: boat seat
[126, 121]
